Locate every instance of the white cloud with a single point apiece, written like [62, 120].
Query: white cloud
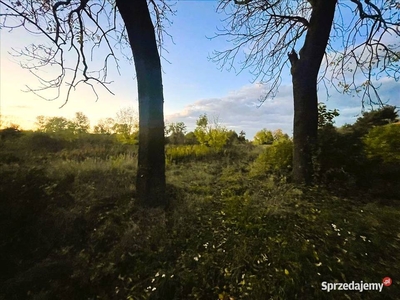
[241, 110]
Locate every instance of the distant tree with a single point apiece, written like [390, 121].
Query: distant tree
[201, 130]
[242, 137]
[104, 126]
[127, 126]
[233, 138]
[75, 30]
[40, 123]
[202, 121]
[128, 116]
[215, 136]
[279, 135]
[62, 126]
[382, 116]
[176, 133]
[265, 35]
[80, 124]
[57, 125]
[263, 137]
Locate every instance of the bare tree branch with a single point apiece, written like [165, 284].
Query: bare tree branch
[265, 35]
[262, 33]
[76, 30]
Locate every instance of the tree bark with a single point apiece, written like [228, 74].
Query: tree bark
[150, 181]
[304, 69]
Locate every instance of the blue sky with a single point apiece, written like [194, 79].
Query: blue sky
[193, 85]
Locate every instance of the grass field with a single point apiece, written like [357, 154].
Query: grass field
[70, 229]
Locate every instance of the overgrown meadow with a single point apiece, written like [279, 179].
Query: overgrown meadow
[236, 227]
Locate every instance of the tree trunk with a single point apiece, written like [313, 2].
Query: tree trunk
[305, 68]
[150, 181]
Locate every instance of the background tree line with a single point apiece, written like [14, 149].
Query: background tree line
[348, 154]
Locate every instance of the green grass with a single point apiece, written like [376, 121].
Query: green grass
[71, 230]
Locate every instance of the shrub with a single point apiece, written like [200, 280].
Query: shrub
[276, 158]
[382, 146]
[39, 141]
[268, 137]
[180, 153]
[263, 137]
[350, 164]
[10, 133]
[215, 136]
[339, 158]
[383, 142]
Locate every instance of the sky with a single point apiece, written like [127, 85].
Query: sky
[193, 84]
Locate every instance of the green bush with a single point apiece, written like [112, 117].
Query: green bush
[340, 159]
[352, 165]
[43, 142]
[187, 152]
[276, 158]
[382, 146]
[263, 137]
[383, 143]
[215, 136]
[268, 137]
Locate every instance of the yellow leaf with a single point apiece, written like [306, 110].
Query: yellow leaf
[286, 272]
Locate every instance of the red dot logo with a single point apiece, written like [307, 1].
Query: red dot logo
[387, 281]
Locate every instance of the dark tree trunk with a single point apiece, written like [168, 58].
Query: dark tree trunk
[305, 68]
[150, 182]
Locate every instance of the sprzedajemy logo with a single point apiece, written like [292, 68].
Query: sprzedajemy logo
[355, 286]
